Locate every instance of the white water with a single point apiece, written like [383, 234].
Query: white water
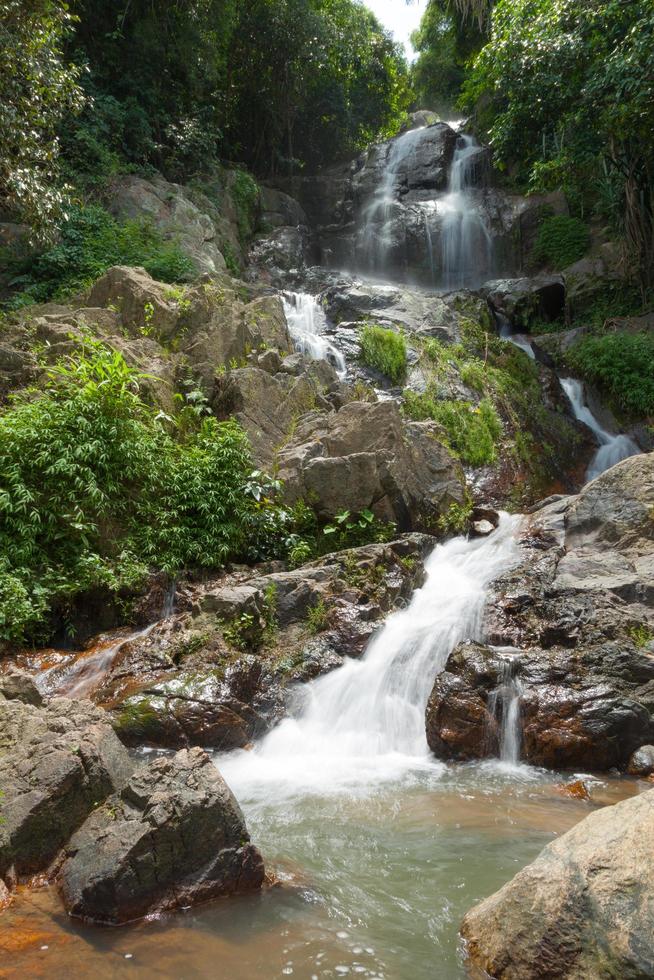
[467, 246]
[504, 704]
[519, 339]
[364, 724]
[376, 235]
[612, 448]
[307, 324]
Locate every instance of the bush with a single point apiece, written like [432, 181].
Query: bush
[94, 491]
[245, 193]
[385, 351]
[622, 364]
[91, 241]
[561, 241]
[472, 431]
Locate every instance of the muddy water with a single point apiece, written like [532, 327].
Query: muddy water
[373, 885]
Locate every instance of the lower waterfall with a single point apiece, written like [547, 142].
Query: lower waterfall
[612, 448]
[364, 723]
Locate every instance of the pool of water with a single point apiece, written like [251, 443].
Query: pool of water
[373, 883]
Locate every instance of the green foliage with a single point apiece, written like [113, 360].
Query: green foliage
[352, 530]
[90, 242]
[472, 431]
[450, 33]
[385, 351]
[622, 365]
[641, 635]
[561, 241]
[94, 491]
[37, 89]
[565, 92]
[245, 192]
[456, 518]
[317, 617]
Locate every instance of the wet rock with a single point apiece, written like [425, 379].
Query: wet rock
[482, 529]
[583, 908]
[576, 790]
[641, 762]
[523, 300]
[56, 764]
[578, 611]
[174, 836]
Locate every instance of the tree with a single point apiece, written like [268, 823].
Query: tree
[565, 92]
[37, 89]
[450, 33]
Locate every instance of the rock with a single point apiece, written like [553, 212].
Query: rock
[173, 837]
[279, 209]
[641, 762]
[523, 300]
[170, 208]
[569, 612]
[576, 790]
[482, 529]
[56, 764]
[19, 686]
[582, 909]
[365, 456]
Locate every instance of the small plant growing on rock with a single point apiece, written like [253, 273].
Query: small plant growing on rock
[318, 617]
[385, 351]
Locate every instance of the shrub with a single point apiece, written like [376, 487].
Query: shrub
[561, 241]
[94, 491]
[472, 431]
[91, 241]
[622, 364]
[317, 617]
[245, 193]
[385, 351]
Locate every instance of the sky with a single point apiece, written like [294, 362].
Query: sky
[399, 17]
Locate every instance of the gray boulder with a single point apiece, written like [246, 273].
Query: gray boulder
[173, 837]
[524, 300]
[584, 908]
[641, 762]
[56, 764]
[365, 456]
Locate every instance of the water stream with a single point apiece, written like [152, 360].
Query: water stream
[612, 447]
[467, 245]
[307, 324]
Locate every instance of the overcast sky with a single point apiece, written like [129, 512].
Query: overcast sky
[399, 17]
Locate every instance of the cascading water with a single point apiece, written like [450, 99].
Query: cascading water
[467, 247]
[504, 705]
[307, 324]
[612, 448]
[376, 237]
[365, 722]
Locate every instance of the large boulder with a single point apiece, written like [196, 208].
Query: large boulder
[170, 209]
[523, 301]
[56, 764]
[577, 613]
[365, 456]
[584, 908]
[174, 836]
[586, 708]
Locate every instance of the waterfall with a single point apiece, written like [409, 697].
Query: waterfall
[467, 247]
[612, 448]
[504, 705]
[364, 723]
[307, 324]
[375, 237]
[519, 339]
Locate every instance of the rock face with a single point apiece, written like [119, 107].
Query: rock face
[366, 456]
[577, 617]
[173, 836]
[56, 764]
[523, 300]
[584, 908]
[379, 213]
[187, 684]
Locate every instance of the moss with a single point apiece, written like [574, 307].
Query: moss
[137, 719]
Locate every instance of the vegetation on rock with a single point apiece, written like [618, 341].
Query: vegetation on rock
[384, 350]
